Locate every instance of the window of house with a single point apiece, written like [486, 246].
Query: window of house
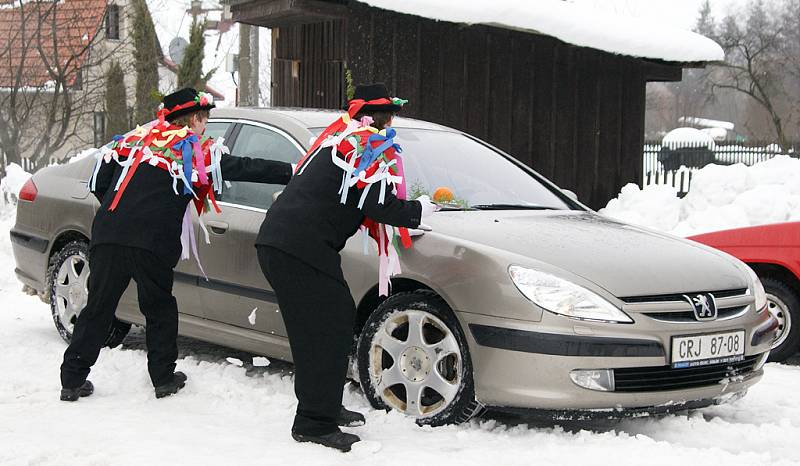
[112, 22]
[99, 128]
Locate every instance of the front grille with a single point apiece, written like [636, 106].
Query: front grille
[661, 378]
[688, 316]
[679, 297]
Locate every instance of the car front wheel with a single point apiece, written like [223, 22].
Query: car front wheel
[413, 358]
[69, 292]
[783, 303]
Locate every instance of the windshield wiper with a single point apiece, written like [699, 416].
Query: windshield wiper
[451, 208]
[511, 207]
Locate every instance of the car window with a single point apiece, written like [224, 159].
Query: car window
[468, 173]
[262, 143]
[216, 129]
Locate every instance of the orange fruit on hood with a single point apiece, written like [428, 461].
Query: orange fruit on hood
[443, 194]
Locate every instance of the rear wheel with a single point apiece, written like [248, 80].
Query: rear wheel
[69, 292]
[783, 303]
[413, 358]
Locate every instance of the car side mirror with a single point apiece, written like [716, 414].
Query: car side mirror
[570, 194]
[275, 195]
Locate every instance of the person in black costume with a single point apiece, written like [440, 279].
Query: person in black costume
[298, 250]
[141, 239]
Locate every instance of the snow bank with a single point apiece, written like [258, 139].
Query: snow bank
[12, 183]
[721, 197]
[574, 24]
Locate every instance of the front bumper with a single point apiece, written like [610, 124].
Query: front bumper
[526, 365]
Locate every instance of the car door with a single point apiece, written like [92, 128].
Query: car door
[187, 273]
[236, 291]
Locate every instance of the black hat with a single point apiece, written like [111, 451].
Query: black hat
[376, 91]
[185, 101]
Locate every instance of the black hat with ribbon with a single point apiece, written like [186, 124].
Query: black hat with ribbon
[185, 101]
[373, 98]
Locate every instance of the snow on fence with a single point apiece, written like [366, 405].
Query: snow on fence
[674, 163]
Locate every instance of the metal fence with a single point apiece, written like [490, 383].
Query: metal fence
[673, 164]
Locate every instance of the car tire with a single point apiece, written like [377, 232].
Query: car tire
[783, 302]
[439, 368]
[67, 279]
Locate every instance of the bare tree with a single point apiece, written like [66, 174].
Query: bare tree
[46, 61]
[753, 46]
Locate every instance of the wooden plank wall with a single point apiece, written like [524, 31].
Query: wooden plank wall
[576, 115]
[308, 64]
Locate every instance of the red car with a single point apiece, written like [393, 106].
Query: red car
[773, 252]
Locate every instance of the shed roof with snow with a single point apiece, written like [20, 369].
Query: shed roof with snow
[570, 23]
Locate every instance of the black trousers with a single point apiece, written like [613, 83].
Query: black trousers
[112, 268]
[319, 314]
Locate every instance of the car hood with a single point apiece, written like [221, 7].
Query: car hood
[623, 259]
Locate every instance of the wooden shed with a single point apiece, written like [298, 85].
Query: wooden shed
[573, 113]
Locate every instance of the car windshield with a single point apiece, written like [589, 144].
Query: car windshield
[461, 173]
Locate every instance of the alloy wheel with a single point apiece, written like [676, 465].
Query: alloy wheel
[71, 289]
[415, 363]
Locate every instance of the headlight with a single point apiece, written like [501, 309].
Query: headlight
[564, 297]
[758, 291]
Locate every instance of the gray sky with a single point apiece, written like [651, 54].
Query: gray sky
[678, 13]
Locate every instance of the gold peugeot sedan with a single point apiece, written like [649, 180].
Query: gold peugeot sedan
[520, 298]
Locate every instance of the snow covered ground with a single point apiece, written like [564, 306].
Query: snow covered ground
[241, 415]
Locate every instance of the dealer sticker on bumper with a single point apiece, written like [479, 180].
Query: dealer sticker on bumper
[702, 350]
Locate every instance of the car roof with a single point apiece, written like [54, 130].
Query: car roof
[309, 118]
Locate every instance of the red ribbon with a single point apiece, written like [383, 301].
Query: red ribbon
[182, 106]
[353, 107]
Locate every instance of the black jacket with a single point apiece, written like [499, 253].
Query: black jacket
[309, 222]
[149, 213]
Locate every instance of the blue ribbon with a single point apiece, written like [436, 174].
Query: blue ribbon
[185, 149]
[370, 153]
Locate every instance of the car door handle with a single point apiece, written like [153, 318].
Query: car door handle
[217, 227]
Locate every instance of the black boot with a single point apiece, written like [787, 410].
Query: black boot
[349, 418]
[341, 441]
[72, 394]
[172, 387]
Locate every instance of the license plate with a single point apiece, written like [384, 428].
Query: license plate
[702, 350]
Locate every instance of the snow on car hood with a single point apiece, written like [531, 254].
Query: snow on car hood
[623, 259]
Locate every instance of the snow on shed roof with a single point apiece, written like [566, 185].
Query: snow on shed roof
[570, 23]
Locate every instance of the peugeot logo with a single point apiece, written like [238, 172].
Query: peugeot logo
[704, 306]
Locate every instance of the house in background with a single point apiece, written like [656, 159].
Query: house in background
[90, 35]
[559, 87]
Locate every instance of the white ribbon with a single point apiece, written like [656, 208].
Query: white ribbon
[217, 149]
[105, 155]
[126, 165]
